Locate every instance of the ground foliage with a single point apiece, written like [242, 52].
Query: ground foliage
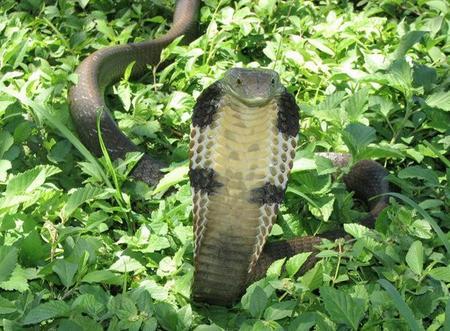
[85, 248]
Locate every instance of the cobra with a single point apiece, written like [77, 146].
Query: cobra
[243, 141]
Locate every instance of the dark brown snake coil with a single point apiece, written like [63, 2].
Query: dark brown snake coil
[243, 142]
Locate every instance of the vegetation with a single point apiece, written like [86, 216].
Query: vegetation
[83, 247]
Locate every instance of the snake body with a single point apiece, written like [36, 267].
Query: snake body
[243, 141]
[105, 67]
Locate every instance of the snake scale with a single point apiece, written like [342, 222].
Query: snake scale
[243, 141]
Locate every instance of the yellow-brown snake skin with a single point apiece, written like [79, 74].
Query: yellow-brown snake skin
[239, 167]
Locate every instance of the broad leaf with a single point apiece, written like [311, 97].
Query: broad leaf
[258, 302]
[294, 263]
[441, 273]
[280, 310]
[439, 100]
[357, 136]
[341, 307]
[66, 271]
[8, 261]
[45, 311]
[414, 257]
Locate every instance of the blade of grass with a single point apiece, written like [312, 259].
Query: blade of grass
[109, 165]
[401, 305]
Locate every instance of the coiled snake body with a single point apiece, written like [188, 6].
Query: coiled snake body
[243, 141]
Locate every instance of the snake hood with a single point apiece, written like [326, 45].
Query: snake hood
[243, 140]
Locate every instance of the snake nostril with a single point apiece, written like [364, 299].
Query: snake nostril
[238, 81]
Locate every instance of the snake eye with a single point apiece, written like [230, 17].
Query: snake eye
[273, 81]
[238, 81]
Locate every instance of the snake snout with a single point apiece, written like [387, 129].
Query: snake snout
[253, 87]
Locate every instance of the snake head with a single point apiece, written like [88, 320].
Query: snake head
[253, 87]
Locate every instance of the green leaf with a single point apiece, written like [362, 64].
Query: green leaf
[156, 243]
[22, 132]
[341, 307]
[26, 182]
[83, 3]
[88, 303]
[212, 327]
[399, 76]
[101, 276]
[401, 305]
[18, 280]
[439, 100]
[257, 326]
[8, 261]
[313, 278]
[124, 93]
[33, 249]
[166, 315]
[414, 257]
[6, 306]
[126, 263]
[258, 302]
[294, 263]
[357, 136]
[265, 7]
[274, 271]
[320, 45]
[424, 76]
[304, 321]
[407, 41]
[441, 273]
[6, 141]
[280, 310]
[65, 271]
[105, 29]
[184, 318]
[123, 306]
[329, 109]
[45, 311]
[150, 324]
[175, 176]
[156, 291]
[357, 104]
[5, 165]
[420, 173]
[421, 229]
[77, 198]
[356, 230]
[322, 207]
[438, 5]
[167, 266]
[447, 316]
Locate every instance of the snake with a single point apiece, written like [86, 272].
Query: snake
[243, 141]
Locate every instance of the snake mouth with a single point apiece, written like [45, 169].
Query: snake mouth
[254, 101]
[251, 102]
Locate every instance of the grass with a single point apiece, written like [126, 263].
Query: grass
[83, 247]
